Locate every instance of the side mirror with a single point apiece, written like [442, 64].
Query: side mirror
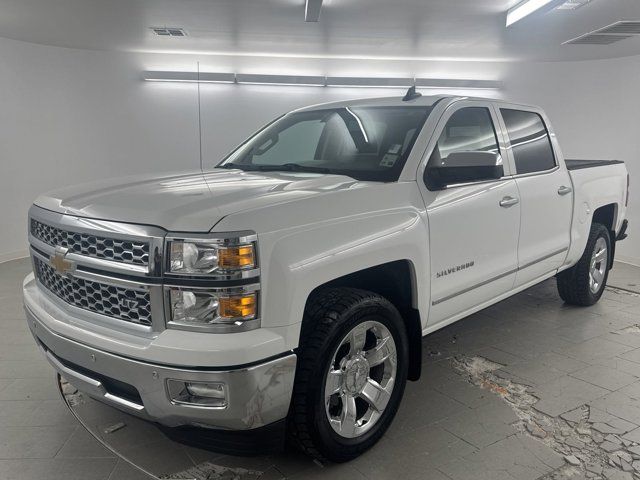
[464, 167]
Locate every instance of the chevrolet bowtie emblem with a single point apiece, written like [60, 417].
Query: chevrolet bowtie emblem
[60, 263]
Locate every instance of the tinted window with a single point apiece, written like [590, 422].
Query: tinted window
[468, 130]
[530, 141]
[366, 143]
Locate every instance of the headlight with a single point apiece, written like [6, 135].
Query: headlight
[216, 311]
[228, 257]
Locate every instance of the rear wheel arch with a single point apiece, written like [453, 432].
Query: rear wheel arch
[607, 215]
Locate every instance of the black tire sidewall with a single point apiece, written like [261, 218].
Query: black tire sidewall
[335, 446]
[602, 233]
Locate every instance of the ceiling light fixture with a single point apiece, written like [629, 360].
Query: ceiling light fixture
[312, 10]
[572, 4]
[321, 81]
[524, 9]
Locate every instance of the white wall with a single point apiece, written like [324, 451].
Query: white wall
[68, 116]
[594, 107]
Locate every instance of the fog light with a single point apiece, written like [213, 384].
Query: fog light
[199, 394]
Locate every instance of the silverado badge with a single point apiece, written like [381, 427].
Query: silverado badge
[60, 263]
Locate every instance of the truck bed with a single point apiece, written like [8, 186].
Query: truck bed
[578, 164]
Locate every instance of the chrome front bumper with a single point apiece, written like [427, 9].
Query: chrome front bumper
[257, 394]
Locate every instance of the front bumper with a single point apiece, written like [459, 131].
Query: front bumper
[257, 394]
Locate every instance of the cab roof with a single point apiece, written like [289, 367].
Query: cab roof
[422, 101]
[398, 101]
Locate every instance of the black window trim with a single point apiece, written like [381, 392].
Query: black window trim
[510, 147]
[492, 113]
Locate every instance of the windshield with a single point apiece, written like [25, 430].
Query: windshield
[366, 143]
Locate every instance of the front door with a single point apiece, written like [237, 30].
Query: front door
[473, 227]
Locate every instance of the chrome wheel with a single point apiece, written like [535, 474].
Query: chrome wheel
[360, 379]
[598, 266]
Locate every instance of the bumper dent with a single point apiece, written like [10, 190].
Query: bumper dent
[258, 395]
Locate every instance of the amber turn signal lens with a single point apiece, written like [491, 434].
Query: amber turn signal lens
[238, 307]
[233, 258]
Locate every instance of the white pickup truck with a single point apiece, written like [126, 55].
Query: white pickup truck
[284, 292]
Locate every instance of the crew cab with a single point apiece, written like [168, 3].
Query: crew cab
[284, 292]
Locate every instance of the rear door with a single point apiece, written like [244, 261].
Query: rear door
[473, 227]
[545, 191]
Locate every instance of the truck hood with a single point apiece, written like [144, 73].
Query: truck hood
[188, 202]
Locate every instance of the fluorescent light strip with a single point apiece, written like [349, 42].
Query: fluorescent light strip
[303, 80]
[372, 82]
[190, 77]
[320, 81]
[525, 9]
[458, 83]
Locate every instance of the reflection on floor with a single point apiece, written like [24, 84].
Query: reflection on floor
[526, 389]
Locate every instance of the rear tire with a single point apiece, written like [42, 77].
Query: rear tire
[583, 284]
[352, 369]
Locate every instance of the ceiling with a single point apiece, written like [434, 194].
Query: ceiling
[424, 29]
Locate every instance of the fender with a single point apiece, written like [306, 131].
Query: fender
[296, 260]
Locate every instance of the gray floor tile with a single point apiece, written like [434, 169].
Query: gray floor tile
[497, 356]
[624, 275]
[26, 369]
[58, 469]
[619, 405]
[338, 472]
[414, 460]
[33, 442]
[533, 373]
[620, 364]
[625, 337]
[633, 355]
[516, 457]
[82, 444]
[4, 383]
[464, 392]
[124, 471]
[34, 413]
[30, 389]
[160, 458]
[605, 377]
[482, 426]
[595, 349]
[564, 394]
[561, 362]
[433, 405]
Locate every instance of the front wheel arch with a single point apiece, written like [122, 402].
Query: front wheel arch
[396, 282]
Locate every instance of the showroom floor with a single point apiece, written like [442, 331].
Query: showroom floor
[526, 389]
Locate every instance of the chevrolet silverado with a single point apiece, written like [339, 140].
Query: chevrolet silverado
[283, 293]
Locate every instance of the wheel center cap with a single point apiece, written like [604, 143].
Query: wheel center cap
[356, 373]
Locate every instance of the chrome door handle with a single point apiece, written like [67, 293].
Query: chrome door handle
[564, 190]
[507, 202]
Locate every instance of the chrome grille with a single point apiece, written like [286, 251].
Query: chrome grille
[118, 302]
[123, 251]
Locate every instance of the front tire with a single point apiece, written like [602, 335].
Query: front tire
[352, 370]
[583, 284]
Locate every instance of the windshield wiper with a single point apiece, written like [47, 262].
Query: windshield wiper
[292, 167]
[286, 167]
